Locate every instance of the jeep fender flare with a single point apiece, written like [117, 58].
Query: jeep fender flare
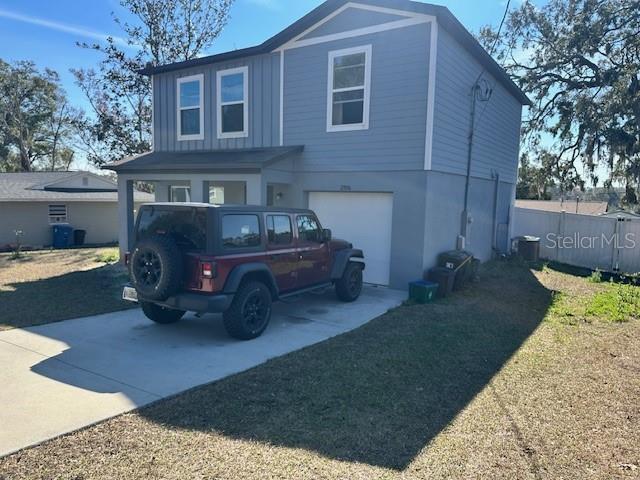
[341, 260]
[241, 271]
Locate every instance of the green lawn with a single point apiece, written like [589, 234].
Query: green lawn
[520, 376]
[48, 286]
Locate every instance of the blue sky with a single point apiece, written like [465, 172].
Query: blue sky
[45, 31]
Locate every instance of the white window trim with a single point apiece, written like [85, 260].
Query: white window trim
[367, 50]
[186, 189]
[180, 81]
[245, 101]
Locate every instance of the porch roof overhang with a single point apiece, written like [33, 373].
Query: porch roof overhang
[232, 160]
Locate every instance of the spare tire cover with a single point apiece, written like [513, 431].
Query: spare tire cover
[156, 268]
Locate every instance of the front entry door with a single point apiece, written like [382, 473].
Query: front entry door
[313, 266]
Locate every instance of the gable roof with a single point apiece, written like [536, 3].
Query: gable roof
[445, 18]
[42, 187]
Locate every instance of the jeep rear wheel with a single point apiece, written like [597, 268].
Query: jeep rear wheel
[250, 311]
[160, 314]
[349, 286]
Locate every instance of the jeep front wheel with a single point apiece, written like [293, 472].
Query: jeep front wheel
[250, 311]
[161, 314]
[349, 286]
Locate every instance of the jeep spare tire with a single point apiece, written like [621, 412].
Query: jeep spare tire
[156, 268]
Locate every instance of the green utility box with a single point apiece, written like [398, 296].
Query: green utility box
[423, 291]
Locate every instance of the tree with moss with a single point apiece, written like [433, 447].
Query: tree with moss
[579, 62]
[36, 121]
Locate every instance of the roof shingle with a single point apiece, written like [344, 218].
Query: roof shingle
[30, 187]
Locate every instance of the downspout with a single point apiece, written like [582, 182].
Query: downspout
[496, 195]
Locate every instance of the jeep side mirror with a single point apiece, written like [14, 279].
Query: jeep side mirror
[326, 235]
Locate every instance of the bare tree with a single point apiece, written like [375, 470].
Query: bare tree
[163, 31]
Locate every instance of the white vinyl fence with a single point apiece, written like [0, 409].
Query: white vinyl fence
[605, 243]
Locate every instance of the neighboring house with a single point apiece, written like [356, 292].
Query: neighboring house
[361, 111]
[33, 202]
[569, 206]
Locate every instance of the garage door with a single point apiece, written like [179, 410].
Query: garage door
[363, 219]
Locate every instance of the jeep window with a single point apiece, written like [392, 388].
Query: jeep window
[240, 231]
[308, 229]
[187, 227]
[279, 230]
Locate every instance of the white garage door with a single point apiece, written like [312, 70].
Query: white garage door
[363, 219]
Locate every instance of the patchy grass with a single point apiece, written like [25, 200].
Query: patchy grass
[490, 383]
[108, 255]
[48, 286]
[594, 301]
[617, 303]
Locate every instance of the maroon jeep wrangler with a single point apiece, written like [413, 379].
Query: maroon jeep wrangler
[235, 260]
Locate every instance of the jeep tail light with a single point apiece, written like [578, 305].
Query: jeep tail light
[208, 269]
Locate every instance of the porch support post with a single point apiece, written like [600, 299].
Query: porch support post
[125, 215]
[161, 191]
[198, 191]
[254, 191]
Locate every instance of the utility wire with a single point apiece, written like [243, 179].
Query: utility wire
[493, 48]
[504, 17]
[495, 41]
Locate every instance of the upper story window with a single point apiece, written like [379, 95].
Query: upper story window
[233, 102]
[191, 108]
[349, 89]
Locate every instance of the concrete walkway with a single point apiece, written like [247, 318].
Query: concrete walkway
[63, 376]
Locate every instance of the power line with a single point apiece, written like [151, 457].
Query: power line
[504, 17]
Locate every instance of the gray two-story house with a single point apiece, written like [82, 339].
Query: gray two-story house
[361, 110]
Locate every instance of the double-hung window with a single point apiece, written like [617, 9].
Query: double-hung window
[349, 89]
[190, 108]
[233, 102]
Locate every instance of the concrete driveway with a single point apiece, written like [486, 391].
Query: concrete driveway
[60, 377]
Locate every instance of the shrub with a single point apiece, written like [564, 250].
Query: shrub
[596, 276]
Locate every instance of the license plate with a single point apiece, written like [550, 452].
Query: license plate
[130, 294]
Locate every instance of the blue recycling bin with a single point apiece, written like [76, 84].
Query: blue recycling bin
[62, 235]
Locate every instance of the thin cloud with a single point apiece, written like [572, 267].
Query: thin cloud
[61, 27]
[268, 4]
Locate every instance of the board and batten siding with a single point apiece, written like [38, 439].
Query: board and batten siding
[395, 139]
[352, 19]
[497, 135]
[264, 106]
